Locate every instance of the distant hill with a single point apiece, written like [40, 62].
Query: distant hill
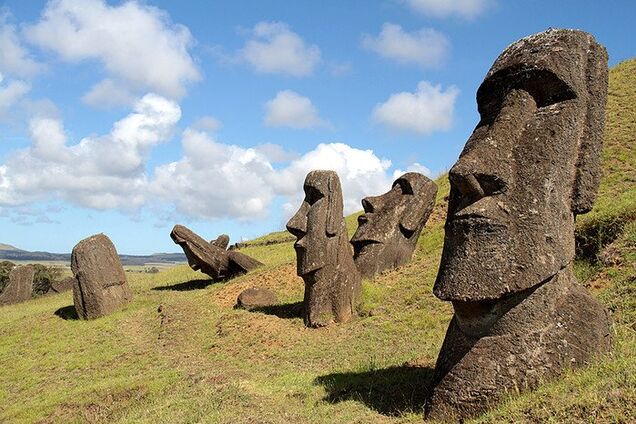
[11, 253]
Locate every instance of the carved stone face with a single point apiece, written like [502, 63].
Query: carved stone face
[388, 230]
[522, 175]
[318, 222]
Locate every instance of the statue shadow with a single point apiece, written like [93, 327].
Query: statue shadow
[198, 284]
[67, 313]
[390, 391]
[285, 310]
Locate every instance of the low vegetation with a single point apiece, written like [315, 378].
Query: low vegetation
[181, 353]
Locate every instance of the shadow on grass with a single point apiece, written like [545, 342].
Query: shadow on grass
[391, 391]
[285, 310]
[188, 285]
[67, 313]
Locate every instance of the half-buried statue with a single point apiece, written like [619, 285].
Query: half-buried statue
[391, 224]
[324, 257]
[531, 165]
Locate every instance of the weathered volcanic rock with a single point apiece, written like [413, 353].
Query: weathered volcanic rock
[388, 230]
[530, 166]
[62, 285]
[20, 285]
[211, 259]
[100, 285]
[256, 297]
[323, 253]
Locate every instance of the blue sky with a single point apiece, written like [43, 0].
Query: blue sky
[129, 117]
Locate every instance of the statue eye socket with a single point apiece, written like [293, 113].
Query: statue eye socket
[404, 186]
[312, 195]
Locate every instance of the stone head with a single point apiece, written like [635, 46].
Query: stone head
[392, 222]
[531, 165]
[318, 223]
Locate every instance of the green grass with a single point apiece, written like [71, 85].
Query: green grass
[180, 352]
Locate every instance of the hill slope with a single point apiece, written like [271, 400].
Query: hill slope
[180, 353]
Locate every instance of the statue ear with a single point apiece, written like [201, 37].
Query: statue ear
[334, 205]
[588, 167]
[420, 211]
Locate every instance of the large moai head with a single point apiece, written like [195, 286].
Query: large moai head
[207, 257]
[530, 166]
[391, 224]
[318, 224]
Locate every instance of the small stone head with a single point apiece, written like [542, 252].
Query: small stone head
[529, 167]
[318, 223]
[392, 222]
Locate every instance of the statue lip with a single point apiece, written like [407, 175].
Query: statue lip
[364, 242]
[470, 217]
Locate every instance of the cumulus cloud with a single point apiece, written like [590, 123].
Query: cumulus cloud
[137, 44]
[426, 47]
[428, 109]
[11, 93]
[15, 60]
[106, 94]
[106, 172]
[467, 9]
[207, 123]
[290, 109]
[275, 49]
[414, 167]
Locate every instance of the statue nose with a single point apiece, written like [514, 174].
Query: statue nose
[371, 204]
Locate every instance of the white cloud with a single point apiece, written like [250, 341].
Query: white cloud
[290, 109]
[107, 93]
[275, 153]
[14, 58]
[215, 180]
[276, 49]
[426, 47]
[467, 9]
[427, 110]
[136, 43]
[11, 93]
[414, 167]
[106, 172]
[207, 123]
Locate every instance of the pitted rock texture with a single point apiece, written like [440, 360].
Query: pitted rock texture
[100, 285]
[391, 224]
[20, 285]
[324, 257]
[255, 297]
[530, 166]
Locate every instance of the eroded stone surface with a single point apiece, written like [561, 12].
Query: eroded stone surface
[100, 285]
[62, 285]
[255, 297]
[391, 224]
[212, 258]
[20, 285]
[530, 166]
[324, 256]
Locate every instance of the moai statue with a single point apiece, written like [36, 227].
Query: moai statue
[212, 258]
[100, 285]
[531, 165]
[391, 224]
[20, 285]
[323, 254]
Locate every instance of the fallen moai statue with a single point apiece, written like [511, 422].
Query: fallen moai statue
[531, 165]
[391, 224]
[323, 254]
[20, 285]
[212, 258]
[100, 285]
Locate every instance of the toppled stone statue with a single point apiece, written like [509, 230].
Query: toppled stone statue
[256, 297]
[20, 285]
[323, 254]
[212, 258]
[531, 165]
[58, 286]
[388, 230]
[100, 285]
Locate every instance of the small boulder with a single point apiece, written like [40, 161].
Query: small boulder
[62, 285]
[255, 297]
[20, 285]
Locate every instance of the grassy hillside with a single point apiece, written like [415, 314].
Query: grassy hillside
[181, 353]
